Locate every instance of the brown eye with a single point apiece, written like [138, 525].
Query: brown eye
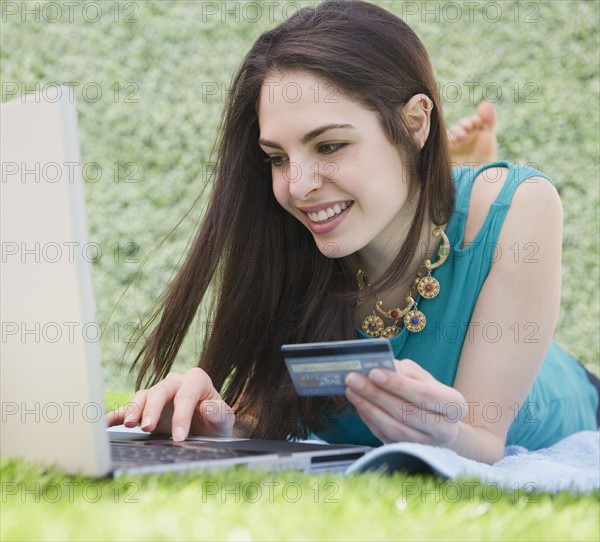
[275, 161]
[328, 148]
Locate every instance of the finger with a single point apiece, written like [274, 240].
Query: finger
[433, 422]
[115, 417]
[385, 427]
[196, 387]
[408, 369]
[156, 399]
[135, 408]
[411, 369]
[218, 418]
[127, 413]
[414, 385]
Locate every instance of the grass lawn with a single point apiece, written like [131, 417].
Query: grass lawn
[245, 505]
[241, 504]
[149, 79]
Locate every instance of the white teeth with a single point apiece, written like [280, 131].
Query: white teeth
[325, 214]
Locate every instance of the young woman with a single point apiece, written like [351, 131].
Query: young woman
[336, 214]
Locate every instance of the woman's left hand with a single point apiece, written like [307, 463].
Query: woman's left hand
[407, 405]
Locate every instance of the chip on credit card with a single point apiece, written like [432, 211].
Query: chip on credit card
[321, 368]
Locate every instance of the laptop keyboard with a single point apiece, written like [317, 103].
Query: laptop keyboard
[136, 453]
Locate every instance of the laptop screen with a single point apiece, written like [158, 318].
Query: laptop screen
[50, 361]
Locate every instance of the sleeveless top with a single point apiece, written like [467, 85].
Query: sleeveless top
[562, 400]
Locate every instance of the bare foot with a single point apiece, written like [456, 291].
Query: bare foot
[473, 140]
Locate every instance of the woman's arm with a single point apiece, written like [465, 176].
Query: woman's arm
[411, 404]
[521, 292]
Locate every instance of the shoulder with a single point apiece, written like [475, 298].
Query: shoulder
[535, 201]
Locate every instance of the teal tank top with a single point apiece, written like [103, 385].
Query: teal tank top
[562, 400]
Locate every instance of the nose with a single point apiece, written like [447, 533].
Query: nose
[303, 177]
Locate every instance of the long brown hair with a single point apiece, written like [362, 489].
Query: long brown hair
[271, 285]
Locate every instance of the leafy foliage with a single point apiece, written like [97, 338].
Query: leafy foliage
[163, 70]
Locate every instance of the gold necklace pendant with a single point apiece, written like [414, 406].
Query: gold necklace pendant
[373, 326]
[428, 287]
[415, 321]
[390, 331]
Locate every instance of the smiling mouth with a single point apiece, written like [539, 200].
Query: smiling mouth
[325, 215]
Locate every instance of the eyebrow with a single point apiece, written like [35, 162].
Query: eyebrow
[307, 137]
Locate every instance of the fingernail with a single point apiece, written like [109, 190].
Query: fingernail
[353, 380]
[178, 434]
[379, 377]
[350, 394]
[146, 422]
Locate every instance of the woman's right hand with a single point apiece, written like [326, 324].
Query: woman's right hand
[180, 405]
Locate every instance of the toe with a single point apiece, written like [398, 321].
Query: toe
[487, 113]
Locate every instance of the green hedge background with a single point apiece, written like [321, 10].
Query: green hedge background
[158, 63]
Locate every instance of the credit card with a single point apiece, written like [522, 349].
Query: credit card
[321, 368]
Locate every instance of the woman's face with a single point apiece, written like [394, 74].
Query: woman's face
[333, 167]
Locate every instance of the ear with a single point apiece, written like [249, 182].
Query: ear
[416, 113]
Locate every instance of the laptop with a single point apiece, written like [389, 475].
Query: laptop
[51, 383]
